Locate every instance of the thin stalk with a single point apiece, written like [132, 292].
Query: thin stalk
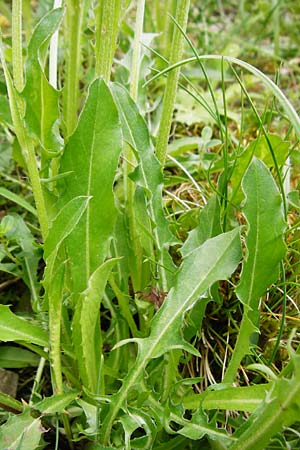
[17, 59]
[107, 25]
[74, 14]
[181, 17]
[27, 146]
[225, 151]
[282, 99]
[282, 323]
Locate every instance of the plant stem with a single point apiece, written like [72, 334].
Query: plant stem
[135, 68]
[107, 24]
[53, 52]
[16, 108]
[17, 59]
[73, 61]
[181, 16]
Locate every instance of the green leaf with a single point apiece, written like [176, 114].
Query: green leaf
[18, 200]
[5, 116]
[231, 398]
[265, 249]
[10, 404]
[16, 357]
[92, 155]
[215, 260]
[41, 98]
[259, 148]
[264, 241]
[21, 432]
[64, 223]
[57, 403]
[148, 174]
[209, 226]
[281, 409]
[15, 229]
[86, 327]
[15, 328]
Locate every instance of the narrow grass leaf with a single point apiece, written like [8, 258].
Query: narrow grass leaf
[15, 328]
[276, 91]
[11, 196]
[92, 155]
[265, 249]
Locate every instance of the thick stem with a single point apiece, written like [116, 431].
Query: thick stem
[17, 59]
[73, 61]
[181, 17]
[107, 25]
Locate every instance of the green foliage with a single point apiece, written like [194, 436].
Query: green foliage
[142, 267]
[21, 432]
[265, 249]
[14, 328]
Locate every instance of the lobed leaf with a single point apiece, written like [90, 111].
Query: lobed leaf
[215, 260]
[57, 403]
[21, 432]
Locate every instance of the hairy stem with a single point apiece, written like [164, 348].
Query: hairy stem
[17, 59]
[181, 16]
[107, 24]
[74, 15]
